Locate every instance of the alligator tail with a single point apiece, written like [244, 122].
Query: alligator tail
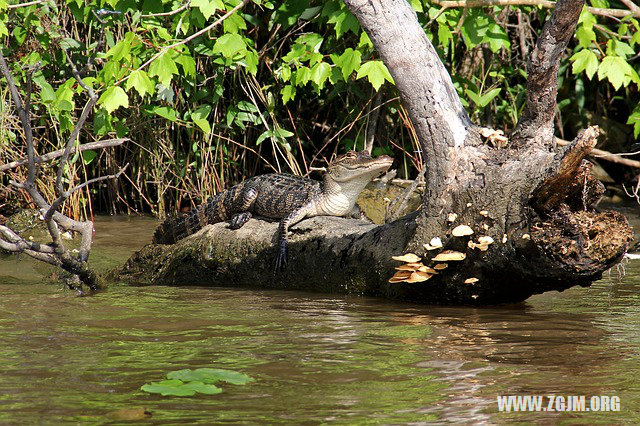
[217, 209]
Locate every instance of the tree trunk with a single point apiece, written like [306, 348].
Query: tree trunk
[536, 205]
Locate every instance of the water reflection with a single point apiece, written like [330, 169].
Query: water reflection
[317, 358]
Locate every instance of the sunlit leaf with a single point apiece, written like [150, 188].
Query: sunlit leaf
[229, 45]
[113, 98]
[585, 60]
[376, 72]
[207, 7]
[348, 62]
[164, 67]
[140, 81]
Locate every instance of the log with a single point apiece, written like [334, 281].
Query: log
[529, 202]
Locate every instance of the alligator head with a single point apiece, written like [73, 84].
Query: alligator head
[347, 176]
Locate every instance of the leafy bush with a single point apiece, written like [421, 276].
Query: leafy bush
[279, 86]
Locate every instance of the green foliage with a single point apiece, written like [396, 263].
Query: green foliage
[189, 382]
[280, 84]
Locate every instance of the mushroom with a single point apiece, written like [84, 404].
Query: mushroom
[427, 270]
[449, 255]
[462, 231]
[451, 217]
[417, 277]
[435, 243]
[471, 280]
[440, 266]
[409, 258]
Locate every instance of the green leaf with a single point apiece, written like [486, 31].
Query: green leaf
[617, 71]
[122, 49]
[113, 98]
[634, 119]
[587, 19]
[444, 34]
[165, 112]
[376, 72]
[210, 375]
[199, 118]
[251, 61]
[348, 62]
[365, 41]
[229, 45]
[88, 156]
[585, 60]
[344, 21]
[188, 64]
[283, 134]
[247, 106]
[303, 74]
[234, 23]
[202, 388]
[619, 48]
[496, 38]
[164, 67]
[263, 136]
[320, 73]
[288, 92]
[140, 81]
[168, 387]
[586, 36]
[416, 5]
[208, 7]
[489, 96]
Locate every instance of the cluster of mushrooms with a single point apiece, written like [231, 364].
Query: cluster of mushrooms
[413, 270]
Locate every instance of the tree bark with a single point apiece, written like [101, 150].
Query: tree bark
[536, 206]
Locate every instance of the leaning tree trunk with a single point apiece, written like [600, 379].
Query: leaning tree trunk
[534, 203]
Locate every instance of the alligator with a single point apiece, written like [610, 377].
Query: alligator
[282, 196]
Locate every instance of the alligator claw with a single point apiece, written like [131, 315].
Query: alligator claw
[281, 257]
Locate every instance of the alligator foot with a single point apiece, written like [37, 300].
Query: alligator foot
[281, 256]
[238, 220]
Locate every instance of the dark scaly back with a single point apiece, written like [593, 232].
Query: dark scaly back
[218, 208]
[281, 193]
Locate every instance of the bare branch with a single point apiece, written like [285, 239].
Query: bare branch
[24, 118]
[606, 155]
[107, 143]
[66, 194]
[30, 3]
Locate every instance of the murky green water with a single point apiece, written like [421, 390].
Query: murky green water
[316, 358]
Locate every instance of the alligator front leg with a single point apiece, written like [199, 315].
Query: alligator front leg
[283, 230]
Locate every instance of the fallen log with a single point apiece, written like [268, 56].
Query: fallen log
[530, 209]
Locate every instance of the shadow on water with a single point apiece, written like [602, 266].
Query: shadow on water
[316, 358]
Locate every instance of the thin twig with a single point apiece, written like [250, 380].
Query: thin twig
[107, 143]
[606, 155]
[30, 3]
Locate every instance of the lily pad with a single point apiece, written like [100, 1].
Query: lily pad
[169, 387]
[210, 375]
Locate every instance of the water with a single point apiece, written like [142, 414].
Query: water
[316, 358]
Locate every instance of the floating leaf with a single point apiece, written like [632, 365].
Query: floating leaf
[168, 387]
[210, 375]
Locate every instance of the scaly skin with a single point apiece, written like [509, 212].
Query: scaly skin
[282, 196]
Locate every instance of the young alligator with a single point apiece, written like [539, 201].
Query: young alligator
[282, 196]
